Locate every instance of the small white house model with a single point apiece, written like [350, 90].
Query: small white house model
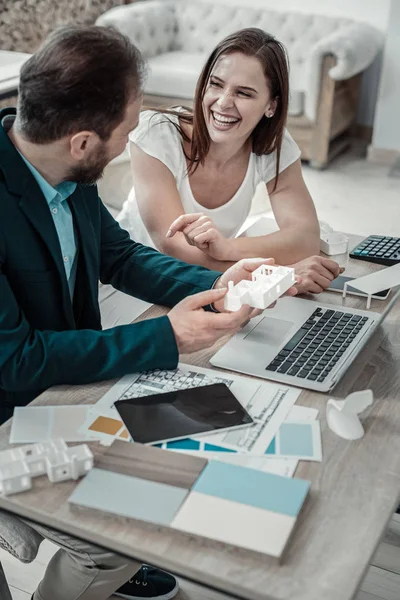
[14, 477]
[55, 458]
[71, 464]
[267, 284]
[332, 242]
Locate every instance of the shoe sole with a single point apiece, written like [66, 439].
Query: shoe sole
[168, 596]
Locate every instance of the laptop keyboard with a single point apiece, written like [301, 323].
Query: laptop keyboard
[315, 349]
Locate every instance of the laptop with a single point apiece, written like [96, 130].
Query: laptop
[301, 343]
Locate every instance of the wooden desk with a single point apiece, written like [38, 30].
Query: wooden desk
[354, 492]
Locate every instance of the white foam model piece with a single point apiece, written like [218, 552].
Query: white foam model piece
[19, 465]
[342, 415]
[71, 464]
[33, 454]
[14, 477]
[375, 282]
[332, 242]
[267, 284]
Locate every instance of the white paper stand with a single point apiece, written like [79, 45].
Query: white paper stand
[375, 282]
[342, 415]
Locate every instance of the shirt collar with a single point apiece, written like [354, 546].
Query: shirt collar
[60, 192]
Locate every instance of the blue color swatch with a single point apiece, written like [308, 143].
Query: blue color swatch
[271, 448]
[282, 495]
[213, 448]
[129, 496]
[186, 444]
[296, 439]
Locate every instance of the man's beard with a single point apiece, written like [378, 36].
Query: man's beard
[92, 171]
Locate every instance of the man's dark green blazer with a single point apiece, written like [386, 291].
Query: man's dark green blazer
[45, 339]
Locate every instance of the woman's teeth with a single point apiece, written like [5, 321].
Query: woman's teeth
[224, 121]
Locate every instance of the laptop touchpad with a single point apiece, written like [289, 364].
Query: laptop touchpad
[270, 331]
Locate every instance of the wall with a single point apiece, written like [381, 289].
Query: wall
[387, 118]
[373, 12]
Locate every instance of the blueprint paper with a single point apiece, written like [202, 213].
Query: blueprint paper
[267, 403]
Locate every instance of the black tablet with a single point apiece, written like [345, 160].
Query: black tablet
[183, 413]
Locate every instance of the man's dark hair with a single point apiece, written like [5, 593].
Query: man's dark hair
[80, 79]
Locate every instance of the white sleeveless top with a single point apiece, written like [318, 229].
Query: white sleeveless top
[156, 136]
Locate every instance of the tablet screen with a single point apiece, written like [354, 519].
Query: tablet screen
[180, 414]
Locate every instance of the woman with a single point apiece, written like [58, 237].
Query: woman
[195, 173]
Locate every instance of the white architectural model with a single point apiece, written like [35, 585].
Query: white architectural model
[376, 282]
[267, 284]
[342, 415]
[55, 458]
[332, 242]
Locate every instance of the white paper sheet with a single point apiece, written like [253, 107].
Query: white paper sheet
[302, 413]
[33, 424]
[117, 308]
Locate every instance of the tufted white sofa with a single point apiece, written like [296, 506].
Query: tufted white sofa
[326, 55]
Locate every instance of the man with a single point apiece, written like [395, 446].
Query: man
[79, 98]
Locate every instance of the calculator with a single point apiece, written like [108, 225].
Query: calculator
[380, 249]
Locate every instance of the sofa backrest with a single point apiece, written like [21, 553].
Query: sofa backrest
[201, 25]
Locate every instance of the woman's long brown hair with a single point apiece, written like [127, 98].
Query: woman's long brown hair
[267, 135]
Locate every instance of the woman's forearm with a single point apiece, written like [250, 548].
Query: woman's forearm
[286, 246]
[180, 249]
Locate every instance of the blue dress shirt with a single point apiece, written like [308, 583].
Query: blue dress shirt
[57, 200]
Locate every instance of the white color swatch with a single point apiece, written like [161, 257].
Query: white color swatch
[234, 523]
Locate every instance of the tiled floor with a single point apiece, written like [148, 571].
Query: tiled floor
[351, 195]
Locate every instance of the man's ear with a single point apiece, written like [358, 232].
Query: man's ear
[82, 144]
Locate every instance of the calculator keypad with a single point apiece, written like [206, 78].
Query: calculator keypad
[384, 250]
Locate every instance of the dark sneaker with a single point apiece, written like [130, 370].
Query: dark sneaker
[149, 583]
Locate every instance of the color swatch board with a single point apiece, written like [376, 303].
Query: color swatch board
[226, 503]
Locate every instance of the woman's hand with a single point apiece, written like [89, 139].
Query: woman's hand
[200, 231]
[316, 274]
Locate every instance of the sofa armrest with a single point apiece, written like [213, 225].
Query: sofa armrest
[149, 25]
[354, 45]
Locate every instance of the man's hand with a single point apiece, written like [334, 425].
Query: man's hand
[316, 274]
[200, 231]
[243, 270]
[196, 329]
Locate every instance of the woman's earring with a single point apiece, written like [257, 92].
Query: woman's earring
[271, 114]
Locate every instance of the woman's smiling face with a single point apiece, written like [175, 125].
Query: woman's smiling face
[236, 98]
